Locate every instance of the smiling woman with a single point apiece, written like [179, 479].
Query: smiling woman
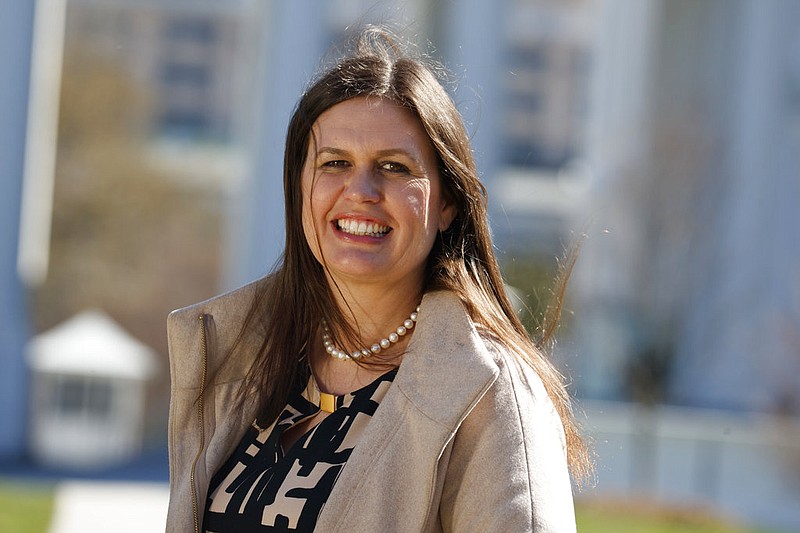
[373, 204]
[378, 379]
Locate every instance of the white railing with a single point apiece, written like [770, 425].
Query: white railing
[747, 466]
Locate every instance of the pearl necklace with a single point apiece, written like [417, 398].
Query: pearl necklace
[376, 348]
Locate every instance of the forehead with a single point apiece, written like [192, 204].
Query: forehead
[371, 123]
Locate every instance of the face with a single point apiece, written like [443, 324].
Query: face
[372, 196]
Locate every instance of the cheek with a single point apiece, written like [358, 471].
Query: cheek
[417, 199]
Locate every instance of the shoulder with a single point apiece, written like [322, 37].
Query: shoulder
[210, 327]
[517, 393]
[446, 368]
[232, 305]
[451, 357]
[511, 444]
[517, 375]
[496, 390]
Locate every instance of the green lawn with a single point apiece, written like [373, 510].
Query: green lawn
[643, 517]
[25, 507]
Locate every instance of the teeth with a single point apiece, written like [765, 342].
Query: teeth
[362, 228]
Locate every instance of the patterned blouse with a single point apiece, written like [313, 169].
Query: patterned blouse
[263, 487]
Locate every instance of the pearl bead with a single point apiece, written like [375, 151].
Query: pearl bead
[376, 348]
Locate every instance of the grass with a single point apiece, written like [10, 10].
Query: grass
[27, 508]
[24, 507]
[601, 516]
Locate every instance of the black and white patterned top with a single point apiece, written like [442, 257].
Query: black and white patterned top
[264, 488]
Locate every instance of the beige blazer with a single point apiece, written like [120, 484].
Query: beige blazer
[464, 440]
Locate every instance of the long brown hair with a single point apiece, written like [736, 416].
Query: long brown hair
[288, 308]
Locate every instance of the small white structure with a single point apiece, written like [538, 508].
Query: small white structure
[89, 390]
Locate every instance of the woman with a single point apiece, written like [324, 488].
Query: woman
[378, 379]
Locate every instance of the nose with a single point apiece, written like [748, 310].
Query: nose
[363, 185]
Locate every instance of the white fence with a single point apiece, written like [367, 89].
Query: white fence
[746, 466]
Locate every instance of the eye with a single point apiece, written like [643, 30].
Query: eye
[334, 164]
[394, 167]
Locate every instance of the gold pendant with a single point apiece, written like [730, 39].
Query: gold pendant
[327, 402]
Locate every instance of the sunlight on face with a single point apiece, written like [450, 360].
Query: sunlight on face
[372, 198]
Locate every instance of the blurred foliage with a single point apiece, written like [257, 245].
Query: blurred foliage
[126, 237]
[25, 508]
[534, 282]
[647, 374]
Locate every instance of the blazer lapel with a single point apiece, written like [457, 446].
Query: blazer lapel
[444, 373]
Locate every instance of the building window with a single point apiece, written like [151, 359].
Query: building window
[192, 81]
[198, 30]
[544, 91]
[185, 74]
[82, 396]
[184, 124]
[543, 110]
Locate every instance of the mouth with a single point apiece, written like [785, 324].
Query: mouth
[362, 227]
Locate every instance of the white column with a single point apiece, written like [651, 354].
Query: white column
[294, 38]
[473, 45]
[41, 140]
[617, 146]
[741, 343]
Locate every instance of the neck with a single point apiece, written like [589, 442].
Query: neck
[373, 310]
[375, 315]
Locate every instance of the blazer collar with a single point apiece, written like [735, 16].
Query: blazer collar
[445, 371]
[447, 365]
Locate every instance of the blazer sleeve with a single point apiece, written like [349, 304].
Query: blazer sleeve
[507, 469]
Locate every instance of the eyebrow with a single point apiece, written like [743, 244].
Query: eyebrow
[380, 153]
[332, 151]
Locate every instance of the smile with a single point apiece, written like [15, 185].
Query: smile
[355, 227]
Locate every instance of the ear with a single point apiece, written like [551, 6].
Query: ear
[447, 213]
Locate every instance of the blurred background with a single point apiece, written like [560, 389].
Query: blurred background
[140, 167]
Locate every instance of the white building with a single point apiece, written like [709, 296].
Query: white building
[90, 384]
[663, 129]
[667, 130]
[693, 148]
[687, 287]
